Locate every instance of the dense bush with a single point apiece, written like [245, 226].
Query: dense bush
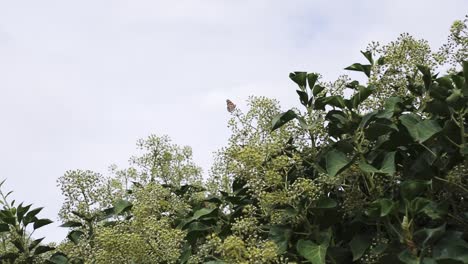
[365, 173]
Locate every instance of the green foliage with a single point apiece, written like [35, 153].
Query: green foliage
[17, 225]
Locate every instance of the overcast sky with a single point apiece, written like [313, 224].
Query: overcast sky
[81, 81]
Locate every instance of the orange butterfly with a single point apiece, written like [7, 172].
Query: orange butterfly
[230, 106]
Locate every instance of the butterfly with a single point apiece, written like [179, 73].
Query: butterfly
[230, 106]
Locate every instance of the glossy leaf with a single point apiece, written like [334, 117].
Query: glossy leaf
[283, 118]
[312, 252]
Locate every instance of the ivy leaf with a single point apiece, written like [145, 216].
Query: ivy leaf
[71, 224]
[43, 249]
[41, 222]
[368, 56]
[359, 244]
[312, 79]
[335, 162]
[58, 258]
[299, 78]
[122, 206]
[410, 189]
[75, 236]
[311, 251]
[326, 203]
[408, 258]
[281, 119]
[388, 164]
[429, 235]
[303, 97]
[280, 235]
[204, 213]
[359, 67]
[317, 89]
[420, 131]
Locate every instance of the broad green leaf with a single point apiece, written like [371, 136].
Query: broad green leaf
[122, 206]
[359, 244]
[368, 55]
[43, 249]
[312, 79]
[427, 77]
[41, 222]
[366, 167]
[4, 227]
[360, 96]
[335, 162]
[311, 251]
[334, 100]
[408, 258]
[326, 203]
[34, 243]
[388, 164]
[300, 78]
[75, 236]
[429, 235]
[420, 131]
[359, 67]
[317, 89]
[386, 206]
[281, 119]
[21, 211]
[303, 97]
[410, 189]
[280, 235]
[204, 212]
[58, 258]
[29, 217]
[72, 224]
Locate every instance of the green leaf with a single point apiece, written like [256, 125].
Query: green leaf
[317, 89]
[427, 77]
[359, 244]
[300, 78]
[360, 96]
[34, 243]
[41, 222]
[368, 56]
[359, 67]
[204, 212]
[429, 235]
[326, 203]
[281, 119]
[58, 258]
[29, 218]
[408, 258]
[21, 211]
[4, 227]
[280, 235]
[334, 100]
[72, 224]
[386, 206]
[75, 236]
[303, 97]
[43, 249]
[122, 206]
[388, 164]
[311, 251]
[420, 131]
[335, 162]
[410, 189]
[312, 79]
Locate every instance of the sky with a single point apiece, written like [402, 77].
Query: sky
[81, 81]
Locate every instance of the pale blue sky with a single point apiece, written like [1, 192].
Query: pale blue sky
[81, 81]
